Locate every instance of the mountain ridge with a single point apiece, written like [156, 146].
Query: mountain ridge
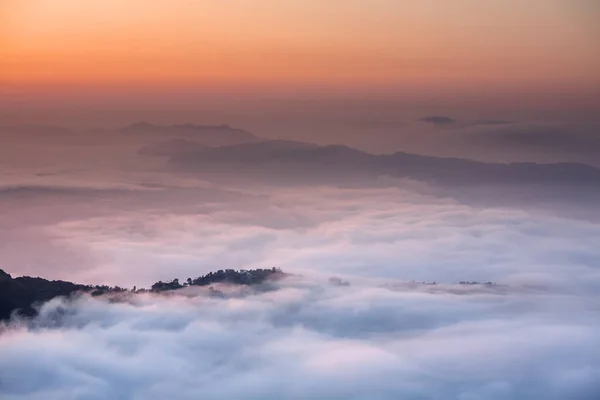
[207, 135]
[299, 156]
[23, 295]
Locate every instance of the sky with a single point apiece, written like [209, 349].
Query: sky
[268, 45]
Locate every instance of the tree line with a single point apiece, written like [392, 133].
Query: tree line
[241, 277]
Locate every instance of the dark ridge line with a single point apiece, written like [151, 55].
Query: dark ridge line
[22, 296]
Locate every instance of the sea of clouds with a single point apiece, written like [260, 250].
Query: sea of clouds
[367, 334]
[309, 339]
[370, 334]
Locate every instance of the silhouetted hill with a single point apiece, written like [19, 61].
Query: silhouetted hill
[21, 295]
[231, 276]
[297, 158]
[206, 135]
[24, 292]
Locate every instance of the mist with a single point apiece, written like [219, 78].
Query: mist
[308, 339]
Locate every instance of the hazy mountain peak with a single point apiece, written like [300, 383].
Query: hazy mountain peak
[438, 119]
[205, 135]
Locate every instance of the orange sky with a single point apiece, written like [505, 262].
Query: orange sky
[295, 43]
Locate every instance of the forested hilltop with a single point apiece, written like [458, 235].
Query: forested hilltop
[21, 295]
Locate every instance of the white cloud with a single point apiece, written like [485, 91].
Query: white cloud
[309, 340]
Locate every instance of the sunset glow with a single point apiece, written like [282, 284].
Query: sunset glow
[296, 43]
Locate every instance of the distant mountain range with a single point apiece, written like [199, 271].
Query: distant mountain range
[297, 158]
[221, 148]
[205, 135]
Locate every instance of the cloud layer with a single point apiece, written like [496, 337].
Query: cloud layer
[308, 339]
[375, 336]
[348, 325]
